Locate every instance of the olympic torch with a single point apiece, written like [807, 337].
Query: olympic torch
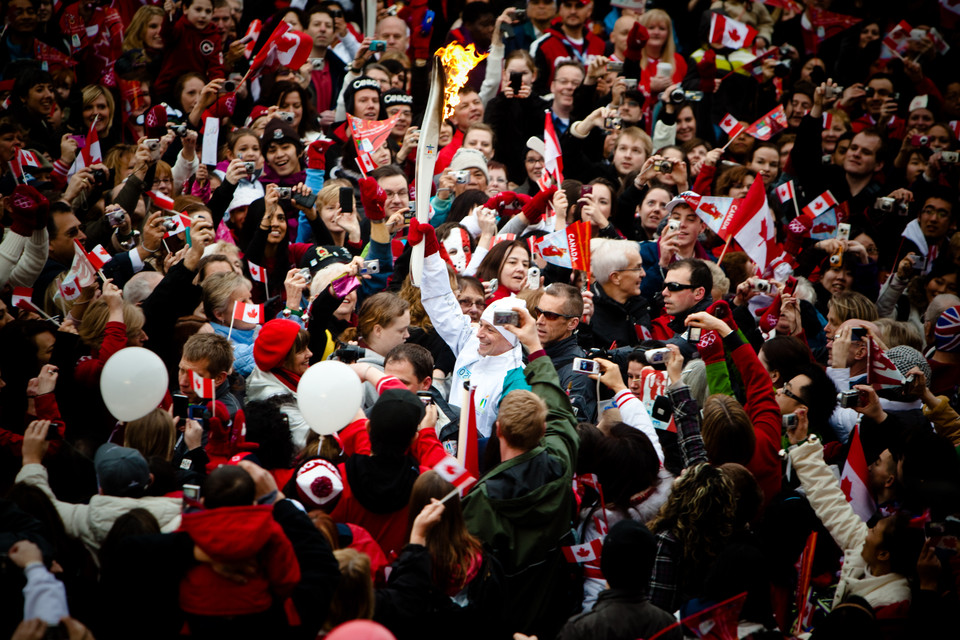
[450, 68]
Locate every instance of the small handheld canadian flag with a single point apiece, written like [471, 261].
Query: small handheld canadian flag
[160, 200]
[203, 387]
[730, 33]
[820, 204]
[455, 473]
[785, 191]
[586, 552]
[21, 294]
[257, 272]
[731, 126]
[248, 312]
[99, 256]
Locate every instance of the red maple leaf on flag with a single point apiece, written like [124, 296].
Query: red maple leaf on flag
[818, 204]
[252, 313]
[845, 486]
[583, 553]
[763, 228]
[284, 44]
[733, 34]
[450, 469]
[68, 290]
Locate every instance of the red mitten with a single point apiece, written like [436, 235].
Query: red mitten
[797, 230]
[721, 310]
[373, 198]
[423, 232]
[770, 316]
[537, 207]
[222, 108]
[707, 68]
[29, 209]
[710, 347]
[317, 154]
[155, 122]
[636, 40]
[500, 201]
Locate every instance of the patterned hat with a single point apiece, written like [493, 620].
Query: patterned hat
[947, 331]
[318, 483]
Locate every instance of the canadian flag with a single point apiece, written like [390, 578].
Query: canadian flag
[820, 204]
[881, 372]
[754, 228]
[853, 480]
[553, 158]
[183, 224]
[785, 191]
[161, 201]
[731, 126]
[586, 552]
[896, 40]
[769, 124]
[468, 452]
[99, 256]
[248, 312]
[456, 474]
[284, 48]
[21, 294]
[717, 212]
[82, 271]
[203, 387]
[258, 273]
[28, 158]
[253, 32]
[69, 290]
[827, 120]
[731, 33]
[90, 154]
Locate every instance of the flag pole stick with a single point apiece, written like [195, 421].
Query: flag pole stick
[725, 247]
[796, 207]
[450, 495]
[13, 172]
[730, 141]
[232, 316]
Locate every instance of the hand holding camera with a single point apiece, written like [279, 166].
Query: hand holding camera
[526, 330]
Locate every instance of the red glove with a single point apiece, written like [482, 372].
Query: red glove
[537, 207]
[711, 347]
[373, 198]
[636, 40]
[722, 310]
[317, 154]
[798, 228]
[226, 437]
[29, 209]
[155, 122]
[423, 232]
[770, 316]
[707, 68]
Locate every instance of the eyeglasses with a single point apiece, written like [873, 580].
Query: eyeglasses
[550, 315]
[940, 213]
[630, 269]
[677, 286]
[466, 303]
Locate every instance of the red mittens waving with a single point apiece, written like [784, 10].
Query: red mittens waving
[29, 209]
[636, 40]
[373, 198]
[537, 207]
[317, 154]
[423, 232]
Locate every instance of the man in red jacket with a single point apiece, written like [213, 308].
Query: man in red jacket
[570, 39]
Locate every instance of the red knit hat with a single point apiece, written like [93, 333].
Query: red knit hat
[274, 342]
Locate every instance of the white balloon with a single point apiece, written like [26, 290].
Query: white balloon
[133, 383]
[329, 395]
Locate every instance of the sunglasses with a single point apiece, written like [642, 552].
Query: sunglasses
[677, 286]
[550, 315]
[792, 395]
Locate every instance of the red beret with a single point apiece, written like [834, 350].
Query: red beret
[274, 342]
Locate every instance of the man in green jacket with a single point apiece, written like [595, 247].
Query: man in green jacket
[524, 507]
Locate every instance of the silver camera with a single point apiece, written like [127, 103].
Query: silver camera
[169, 224]
[657, 356]
[250, 167]
[950, 157]
[307, 276]
[116, 218]
[180, 130]
[833, 92]
[462, 176]
[286, 116]
[507, 317]
[889, 205]
[317, 64]
[370, 267]
[761, 286]
[284, 193]
[673, 225]
[612, 122]
[585, 366]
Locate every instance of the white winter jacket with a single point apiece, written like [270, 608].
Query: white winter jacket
[262, 385]
[848, 531]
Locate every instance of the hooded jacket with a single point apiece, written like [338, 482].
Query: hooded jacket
[234, 534]
[524, 509]
[486, 373]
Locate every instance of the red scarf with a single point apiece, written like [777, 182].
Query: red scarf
[289, 379]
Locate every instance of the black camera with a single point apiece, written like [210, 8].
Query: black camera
[598, 353]
[180, 130]
[348, 353]
[520, 15]
[677, 96]
[782, 68]
[99, 177]
[663, 166]
[229, 86]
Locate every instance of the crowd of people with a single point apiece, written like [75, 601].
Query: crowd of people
[663, 421]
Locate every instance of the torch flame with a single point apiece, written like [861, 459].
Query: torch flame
[458, 63]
